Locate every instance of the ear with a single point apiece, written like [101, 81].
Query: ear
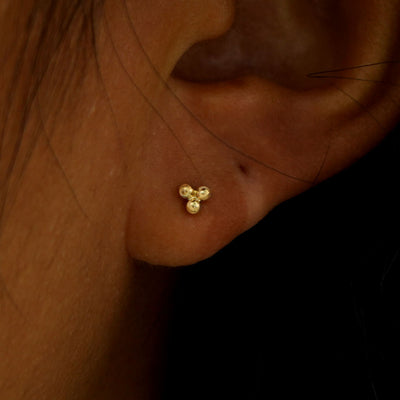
[266, 128]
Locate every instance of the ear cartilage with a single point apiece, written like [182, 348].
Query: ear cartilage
[194, 197]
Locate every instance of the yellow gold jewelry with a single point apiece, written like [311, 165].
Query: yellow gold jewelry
[194, 197]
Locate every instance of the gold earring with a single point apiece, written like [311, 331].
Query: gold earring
[194, 197]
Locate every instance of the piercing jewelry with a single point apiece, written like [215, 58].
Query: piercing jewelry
[194, 197]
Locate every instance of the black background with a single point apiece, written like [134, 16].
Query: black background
[305, 304]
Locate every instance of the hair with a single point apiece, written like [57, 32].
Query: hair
[41, 45]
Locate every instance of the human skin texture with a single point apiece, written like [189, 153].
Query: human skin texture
[134, 99]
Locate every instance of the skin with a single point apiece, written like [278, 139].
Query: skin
[111, 138]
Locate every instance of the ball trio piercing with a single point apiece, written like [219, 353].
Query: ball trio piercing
[194, 197]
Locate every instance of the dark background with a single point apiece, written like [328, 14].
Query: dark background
[305, 304]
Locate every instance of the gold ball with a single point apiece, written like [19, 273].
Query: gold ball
[193, 207]
[204, 193]
[185, 190]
